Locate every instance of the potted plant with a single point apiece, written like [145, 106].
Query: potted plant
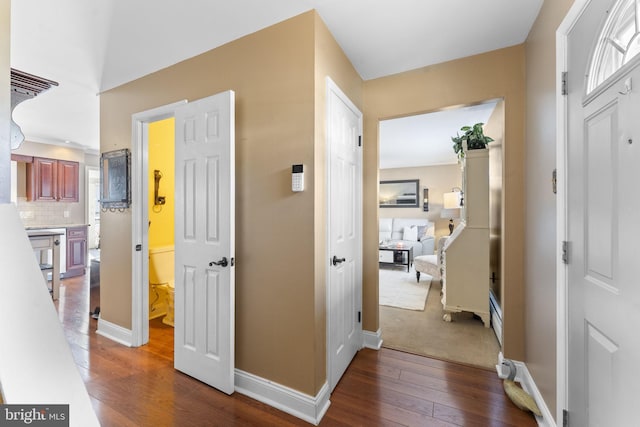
[474, 138]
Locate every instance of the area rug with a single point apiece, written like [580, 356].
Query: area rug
[400, 289]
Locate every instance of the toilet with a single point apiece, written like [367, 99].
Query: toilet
[161, 283]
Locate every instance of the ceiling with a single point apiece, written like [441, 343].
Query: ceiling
[92, 46]
[425, 139]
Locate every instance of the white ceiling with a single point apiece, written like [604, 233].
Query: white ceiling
[425, 139]
[92, 46]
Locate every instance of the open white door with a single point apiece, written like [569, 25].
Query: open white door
[603, 153]
[204, 240]
[344, 290]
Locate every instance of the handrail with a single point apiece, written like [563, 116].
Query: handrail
[36, 364]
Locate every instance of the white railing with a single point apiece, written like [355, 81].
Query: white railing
[36, 364]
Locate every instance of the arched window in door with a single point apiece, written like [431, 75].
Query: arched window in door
[617, 44]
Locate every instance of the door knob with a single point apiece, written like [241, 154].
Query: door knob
[337, 260]
[222, 263]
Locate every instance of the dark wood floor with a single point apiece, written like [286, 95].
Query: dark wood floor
[139, 387]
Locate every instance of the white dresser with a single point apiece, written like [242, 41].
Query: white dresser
[465, 279]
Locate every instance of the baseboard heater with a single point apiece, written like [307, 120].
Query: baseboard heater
[496, 317]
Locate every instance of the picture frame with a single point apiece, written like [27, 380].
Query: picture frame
[404, 193]
[115, 179]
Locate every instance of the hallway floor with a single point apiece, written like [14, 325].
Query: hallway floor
[464, 340]
[140, 387]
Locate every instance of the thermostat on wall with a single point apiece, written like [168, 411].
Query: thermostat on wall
[297, 178]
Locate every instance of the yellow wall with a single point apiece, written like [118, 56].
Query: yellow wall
[493, 75]
[280, 304]
[162, 158]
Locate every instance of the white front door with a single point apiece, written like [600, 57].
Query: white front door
[204, 240]
[344, 290]
[603, 231]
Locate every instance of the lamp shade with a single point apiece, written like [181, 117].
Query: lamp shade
[452, 200]
[453, 213]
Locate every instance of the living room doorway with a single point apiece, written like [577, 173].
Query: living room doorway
[419, 147]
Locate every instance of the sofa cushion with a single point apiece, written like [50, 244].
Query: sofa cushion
[426, 231]
[399, 224]
[385, 229]
[410, 233]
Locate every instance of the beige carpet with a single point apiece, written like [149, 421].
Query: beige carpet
[464, 340]
[400, 289]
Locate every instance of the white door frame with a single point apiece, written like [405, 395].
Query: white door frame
[332, 87]
[140, 218]
[87, 194]
[562, 311]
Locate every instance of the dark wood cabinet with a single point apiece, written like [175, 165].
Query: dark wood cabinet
[42, 179]
[76, 251]
[52, 180]
[68, 173]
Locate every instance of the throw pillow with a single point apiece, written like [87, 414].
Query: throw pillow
[410, 234]
[430, 231]
[421, 230]
[425, 232]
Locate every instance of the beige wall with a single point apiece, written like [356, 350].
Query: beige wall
[330, 61]
[439, 179]
[493, 75]
[278, 64]
[280, 235]
[5, 100]
[540, 255]
[495, 129]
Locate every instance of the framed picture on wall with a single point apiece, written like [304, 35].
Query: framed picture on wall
[400, 193]
[115, 179]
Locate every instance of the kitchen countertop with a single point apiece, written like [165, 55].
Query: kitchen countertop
[43, 233]
[42, 227]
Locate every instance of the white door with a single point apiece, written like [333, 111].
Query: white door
[344, 290]
[603, 230]
[204, 240]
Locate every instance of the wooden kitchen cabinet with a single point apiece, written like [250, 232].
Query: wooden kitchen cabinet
[68, 173]
[52, 180]
[76, 251]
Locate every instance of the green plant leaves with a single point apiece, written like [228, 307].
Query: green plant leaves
[474, 137]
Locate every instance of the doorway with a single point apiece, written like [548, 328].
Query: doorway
[344, 215]
[204, 235]
[419, 147]
[140, 218]
[161, 202]
[92, 215]
[93, 208]
[598, 157]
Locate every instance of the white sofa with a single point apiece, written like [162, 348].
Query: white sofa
[418, 233]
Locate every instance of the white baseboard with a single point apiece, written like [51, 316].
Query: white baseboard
[300, 405]
[372, 340]
[115, 332]
[528, 384]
